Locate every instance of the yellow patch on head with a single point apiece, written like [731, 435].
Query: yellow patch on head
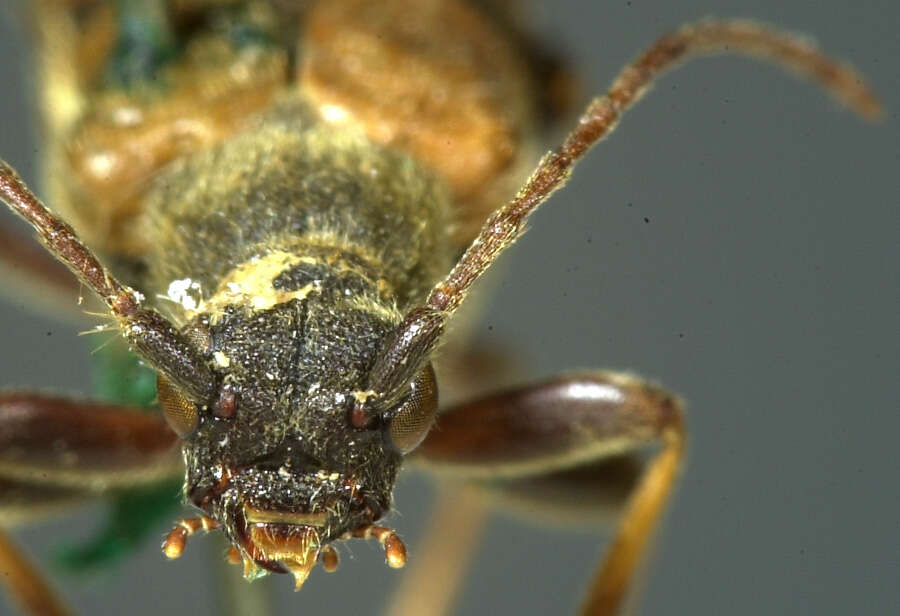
[362, 396]
[251, 285]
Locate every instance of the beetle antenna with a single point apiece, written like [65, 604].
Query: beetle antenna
[150, 335]
[419, 333]
[743, 37]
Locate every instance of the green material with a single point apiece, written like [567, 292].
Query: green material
[247, 25]
[148, 43]
[145, 43]
[120, 377]
[133, 515]
[243, 35]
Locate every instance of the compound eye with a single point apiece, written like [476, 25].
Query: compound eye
[416, 415]
[181, 414]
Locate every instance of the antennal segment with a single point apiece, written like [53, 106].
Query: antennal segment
[741, 37]
[150, 334]
[419, 332]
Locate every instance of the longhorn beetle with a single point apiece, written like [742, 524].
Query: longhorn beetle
[279, 248]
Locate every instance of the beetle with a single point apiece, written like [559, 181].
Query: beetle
[362, 393]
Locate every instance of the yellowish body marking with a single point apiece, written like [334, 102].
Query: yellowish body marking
[251, 284]
[362, 396]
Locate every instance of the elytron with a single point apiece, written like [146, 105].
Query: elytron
[282, 206]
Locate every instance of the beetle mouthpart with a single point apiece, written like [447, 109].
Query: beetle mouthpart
[295, 547]
[262, 516]
[175, 542]
[300, 570]
[394, 549]
[329, 558]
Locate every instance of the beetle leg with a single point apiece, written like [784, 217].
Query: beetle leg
[23, 502]
[563, 425]
[26, 584]
[88, 447]
[55, 452]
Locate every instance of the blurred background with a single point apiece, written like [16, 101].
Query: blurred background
[736, 239]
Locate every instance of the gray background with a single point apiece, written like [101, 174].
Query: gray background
[764, 289]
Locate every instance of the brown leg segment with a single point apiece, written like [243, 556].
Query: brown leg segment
[27, 502]
[25, 584]
[86, 446]
[56, 452]
[566, 424]
[612, 579]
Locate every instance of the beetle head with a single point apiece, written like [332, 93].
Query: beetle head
[276, 459]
